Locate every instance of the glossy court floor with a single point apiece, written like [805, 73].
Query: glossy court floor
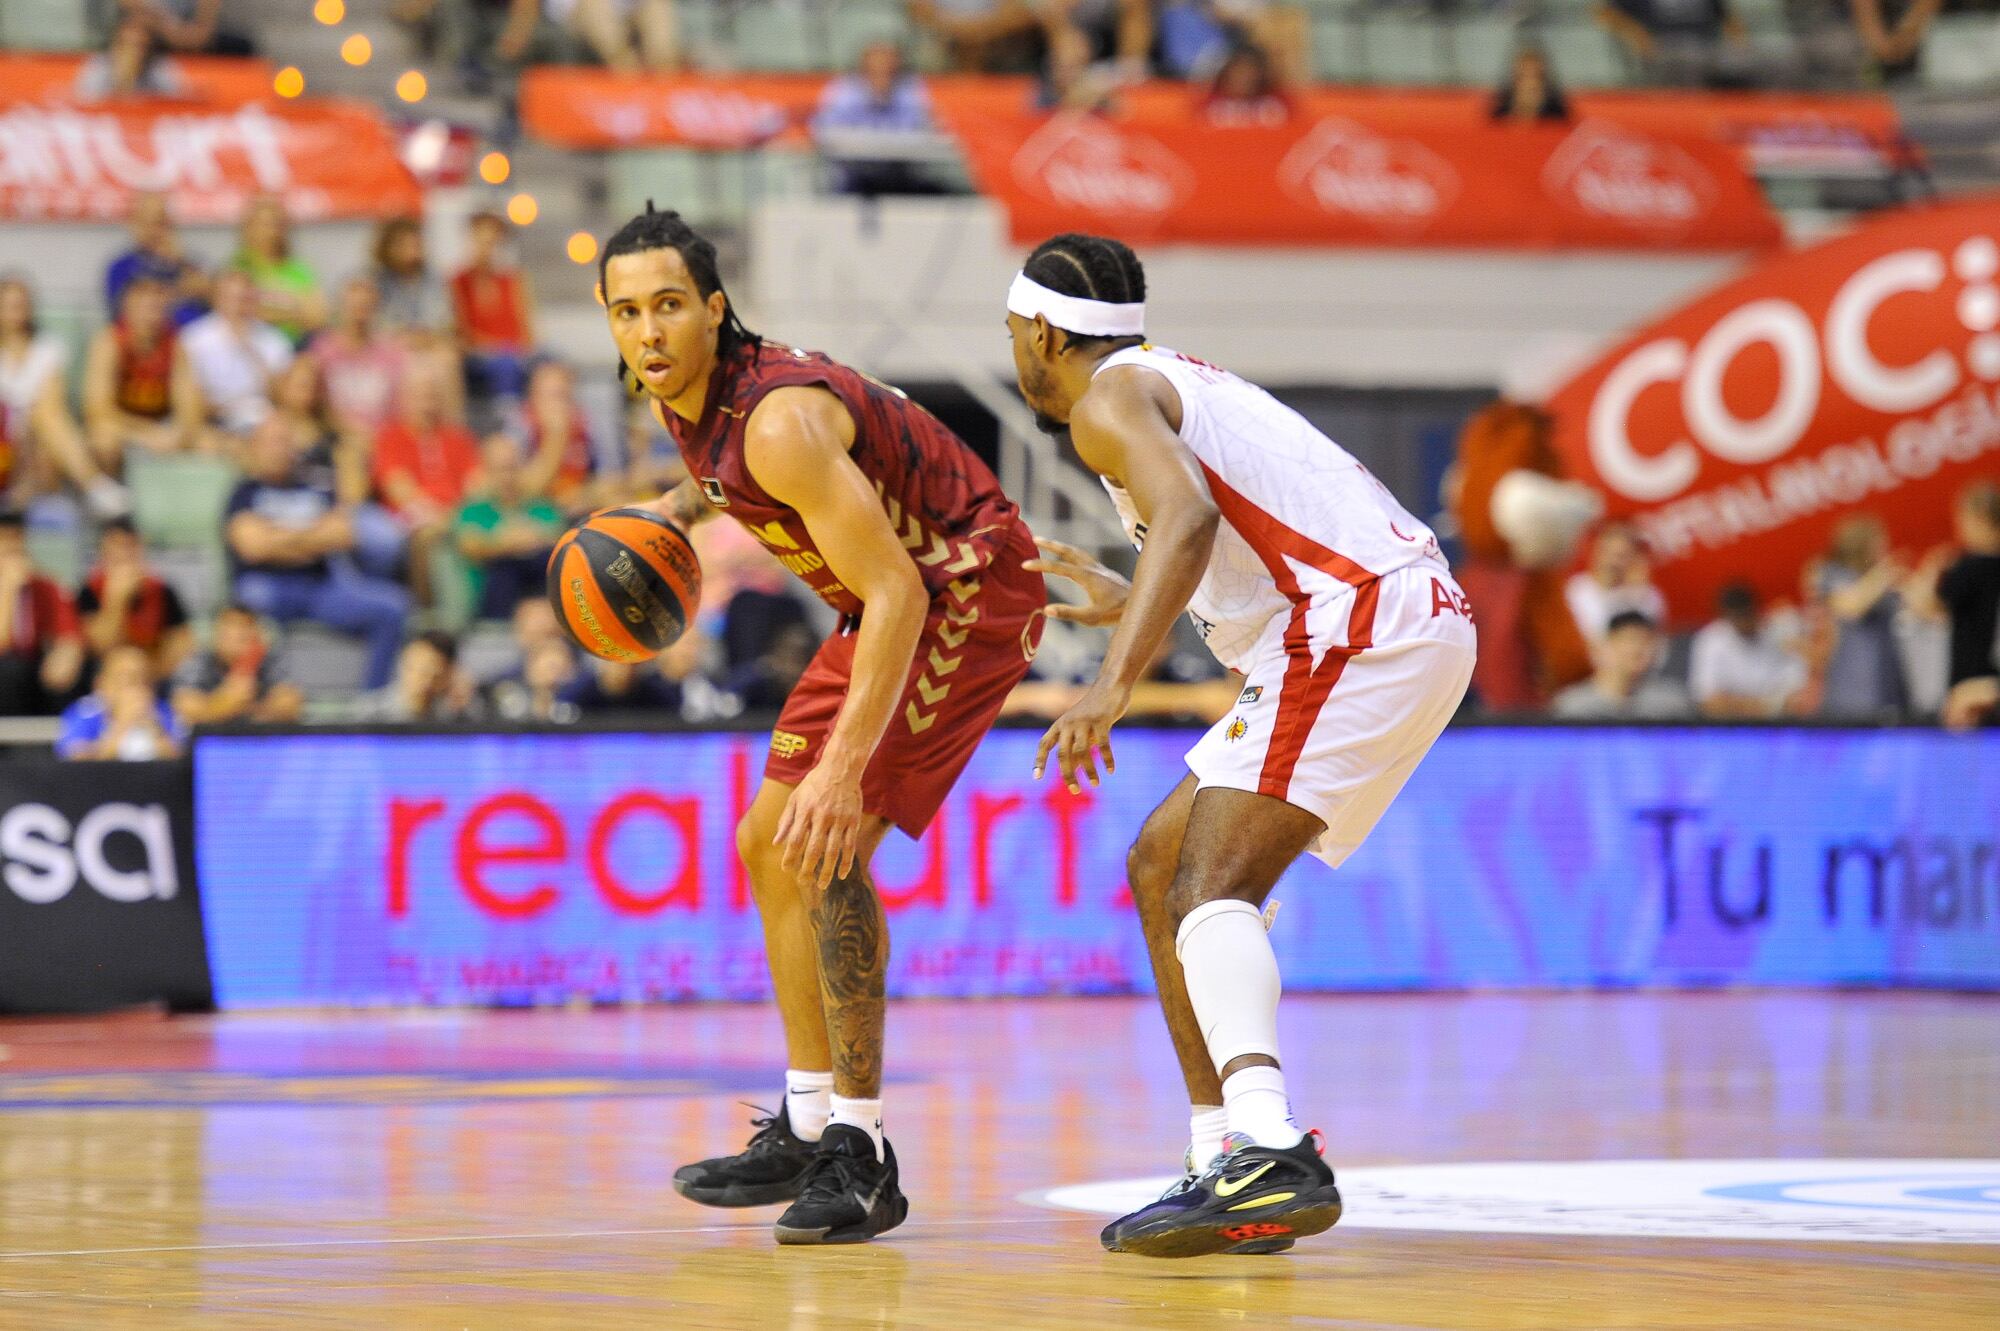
[458, 1170]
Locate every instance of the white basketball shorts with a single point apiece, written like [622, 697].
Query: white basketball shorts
[1336, 729]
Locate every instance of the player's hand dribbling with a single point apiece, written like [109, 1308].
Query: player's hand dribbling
[1105, 591]
[819, 833]
[1080, 732]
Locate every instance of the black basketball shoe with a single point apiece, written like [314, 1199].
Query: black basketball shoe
[847, 1196]
[764, 1173]
[1251, 1198]
[1110, 1234]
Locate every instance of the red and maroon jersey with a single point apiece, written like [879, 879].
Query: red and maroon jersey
[945, 504]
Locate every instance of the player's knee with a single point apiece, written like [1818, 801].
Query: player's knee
[1193, 888]
[763, 860]
[1149, 869]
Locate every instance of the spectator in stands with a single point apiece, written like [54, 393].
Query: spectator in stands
[493, 310]
[156, 252]
[189, 25]
[764, 682]
[41, 644]
[236, 678]
[760, 610]
[562, 460]
[1245, 91]
[1623, 687]
[882, 98]
[627, 35]
[1119, 31]
[130, 65]
[291, 544]
[413, 299]
[621, 686]
[1198, 37]
[1617, 580]
[1857, 582]
[1965, 584]
[40, 441]
[123, 603]
[288, 291]
[1685, 43]
[1895, 49]
[360, 365]
[984, 36]
[235, 356]
[139, 387]
[428, 687]
[122, 717]
[423, 461]
[338, 459]
[1530, 92]
[506, 531]
[538, 691]
[1743, 665]
[1072, 78]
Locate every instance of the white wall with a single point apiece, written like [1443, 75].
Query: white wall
[906, 286]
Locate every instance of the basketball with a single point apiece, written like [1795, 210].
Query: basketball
[625, 583]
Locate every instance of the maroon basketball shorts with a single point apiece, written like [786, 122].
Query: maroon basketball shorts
[978, 639]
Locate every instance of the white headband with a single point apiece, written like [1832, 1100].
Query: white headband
[1075, 314]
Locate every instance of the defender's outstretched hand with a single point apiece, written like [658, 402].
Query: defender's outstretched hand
[1081, 732]
[1105, 589]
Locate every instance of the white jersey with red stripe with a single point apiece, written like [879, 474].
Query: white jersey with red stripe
[1307, 531]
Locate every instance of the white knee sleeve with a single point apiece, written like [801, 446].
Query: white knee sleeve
[1232, 979]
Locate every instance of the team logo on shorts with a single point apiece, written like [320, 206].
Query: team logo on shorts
[787, 745]
[1250, 695]
[712, 487]
[1237, 730]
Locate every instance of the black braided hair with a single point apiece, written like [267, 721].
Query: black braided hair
[1094, 268]
[655, 229]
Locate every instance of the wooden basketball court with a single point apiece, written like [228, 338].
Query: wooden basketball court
[510, 1170]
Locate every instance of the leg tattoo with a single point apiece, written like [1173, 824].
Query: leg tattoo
[853, 940]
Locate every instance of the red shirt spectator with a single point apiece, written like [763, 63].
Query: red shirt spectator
[489, 297]
[423, 459]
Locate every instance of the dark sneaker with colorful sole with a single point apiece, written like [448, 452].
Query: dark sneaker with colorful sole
[847, 1195]
[767, 1171]
[1253, 1199]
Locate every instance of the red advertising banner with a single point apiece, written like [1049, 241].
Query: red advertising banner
[1860, 374]
[328, 158]
[31, 76]
[1361, 180]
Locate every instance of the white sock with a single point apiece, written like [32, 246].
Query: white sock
[863, 1114]
[1255, 1101]
[1205, 1128]
[808, 1102]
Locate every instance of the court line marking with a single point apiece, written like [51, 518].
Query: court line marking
[487, 1238]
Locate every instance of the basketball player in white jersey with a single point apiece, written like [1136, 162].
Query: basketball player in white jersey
[1307, 577]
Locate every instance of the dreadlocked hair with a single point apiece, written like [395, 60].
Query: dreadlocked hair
[1094, 268]
[656, 229]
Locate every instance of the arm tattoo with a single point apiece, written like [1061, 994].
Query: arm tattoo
[853, 961]
[687, 506]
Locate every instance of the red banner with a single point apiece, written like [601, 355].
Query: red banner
[328, 159]
[1362, 179]
[36, 77]
[1862, 374]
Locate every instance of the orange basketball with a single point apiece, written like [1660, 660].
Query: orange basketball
[625, 583]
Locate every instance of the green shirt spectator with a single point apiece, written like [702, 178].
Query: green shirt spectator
[505, 531]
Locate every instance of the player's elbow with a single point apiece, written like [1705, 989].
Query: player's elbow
[1199, 521]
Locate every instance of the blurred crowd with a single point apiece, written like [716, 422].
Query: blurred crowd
[399, 458]
[1875, 634]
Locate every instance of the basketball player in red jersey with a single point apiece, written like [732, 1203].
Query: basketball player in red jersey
[894, 522]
